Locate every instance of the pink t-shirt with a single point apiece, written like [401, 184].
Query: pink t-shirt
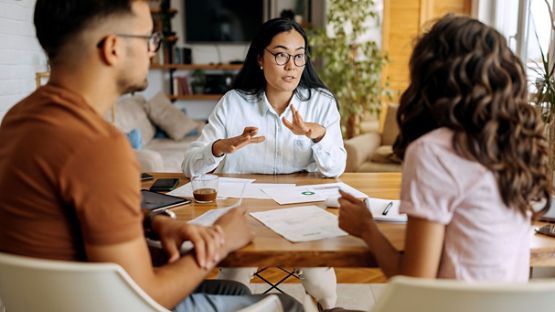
[484, 239]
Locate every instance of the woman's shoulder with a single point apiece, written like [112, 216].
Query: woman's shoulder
[439, 137]
[237, 96]
[318, 95]
[435, 149]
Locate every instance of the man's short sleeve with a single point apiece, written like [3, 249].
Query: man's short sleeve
[428, 189]
[101, 181]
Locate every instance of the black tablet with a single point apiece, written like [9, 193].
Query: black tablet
[157, 201]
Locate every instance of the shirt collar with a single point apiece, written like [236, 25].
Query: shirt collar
[265, 106]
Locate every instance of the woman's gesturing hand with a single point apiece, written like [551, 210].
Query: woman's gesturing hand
[312, 130]
[230, 145]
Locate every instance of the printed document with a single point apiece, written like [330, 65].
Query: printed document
[300, 224]
[311, 193]
[294, 195]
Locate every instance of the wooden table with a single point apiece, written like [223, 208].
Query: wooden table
[270, 249]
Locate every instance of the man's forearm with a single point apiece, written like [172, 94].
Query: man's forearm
[175, 281]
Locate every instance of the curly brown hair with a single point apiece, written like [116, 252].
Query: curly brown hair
[464, 77]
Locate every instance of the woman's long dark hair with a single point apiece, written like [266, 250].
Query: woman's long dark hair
[250, 79]
[463, 76]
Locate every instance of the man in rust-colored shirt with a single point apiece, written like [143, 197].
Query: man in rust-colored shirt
[69, 182]
[67, 178]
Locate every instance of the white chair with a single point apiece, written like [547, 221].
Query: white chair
[29, 284]
[269, 304]
[413, 294]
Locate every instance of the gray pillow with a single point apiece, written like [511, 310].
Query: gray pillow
[168, 117]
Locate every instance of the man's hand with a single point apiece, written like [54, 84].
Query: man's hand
[312, 130]
[230, 145]
[208, 241]
[354, 217]
[236, 229]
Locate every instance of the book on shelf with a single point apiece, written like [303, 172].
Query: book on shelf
[170, 54]
[181, 86]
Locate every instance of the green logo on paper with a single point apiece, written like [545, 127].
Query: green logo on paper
[308, 193]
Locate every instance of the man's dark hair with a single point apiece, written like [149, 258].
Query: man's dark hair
[57, 21]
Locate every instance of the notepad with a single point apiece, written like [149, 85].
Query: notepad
[378, 205]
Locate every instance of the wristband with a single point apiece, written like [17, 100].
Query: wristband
[147, 221]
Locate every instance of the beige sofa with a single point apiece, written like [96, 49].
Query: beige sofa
[372, 151]
[156, 154]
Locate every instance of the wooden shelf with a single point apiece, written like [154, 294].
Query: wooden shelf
[199, 97]
[172, 12]
[197, 66]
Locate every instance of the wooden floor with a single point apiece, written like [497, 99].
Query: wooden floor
[347, 276]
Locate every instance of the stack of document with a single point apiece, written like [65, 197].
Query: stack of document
[385, 210]
[283, 194]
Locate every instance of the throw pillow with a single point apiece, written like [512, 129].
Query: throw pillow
[135, 139]
[130, 114]
[168, 117]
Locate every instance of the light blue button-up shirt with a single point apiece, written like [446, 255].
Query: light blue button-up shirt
[282, 151]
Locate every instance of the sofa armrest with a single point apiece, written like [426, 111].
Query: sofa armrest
[150, 161]
[360, 148]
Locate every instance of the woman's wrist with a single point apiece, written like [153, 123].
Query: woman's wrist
[319, 135]
[369, 232]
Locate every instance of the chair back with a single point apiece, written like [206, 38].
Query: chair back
[414, 294]
[29, 284]
[269, 304]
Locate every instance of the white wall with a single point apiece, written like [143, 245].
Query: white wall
[20, 53]
[201, 54]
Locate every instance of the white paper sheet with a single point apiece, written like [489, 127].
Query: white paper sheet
[208, 218]
[235, 180]
[234, 190]
[378, 205]
[301, 224]
[331, 190]
[312, 193]
[295, 195]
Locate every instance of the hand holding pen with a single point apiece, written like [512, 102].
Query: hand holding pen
[354, 216]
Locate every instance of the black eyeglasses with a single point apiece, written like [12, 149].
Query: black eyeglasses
[153, 41]
[283, 58]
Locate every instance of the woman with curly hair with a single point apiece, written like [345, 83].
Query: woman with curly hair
[475, 159]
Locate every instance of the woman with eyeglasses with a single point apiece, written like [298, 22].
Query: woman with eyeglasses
[279, 118]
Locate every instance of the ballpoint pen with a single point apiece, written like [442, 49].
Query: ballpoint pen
[386, 209]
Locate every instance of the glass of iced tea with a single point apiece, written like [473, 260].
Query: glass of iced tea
[205, 188]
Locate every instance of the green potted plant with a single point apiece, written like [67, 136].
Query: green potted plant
[198, 81]
[544, 97]
[349, 65]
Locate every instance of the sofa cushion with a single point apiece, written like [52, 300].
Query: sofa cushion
[130, 114]
[170, 151]
[370, 166]
[168, 117]
[384, 154]
[359, 148]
